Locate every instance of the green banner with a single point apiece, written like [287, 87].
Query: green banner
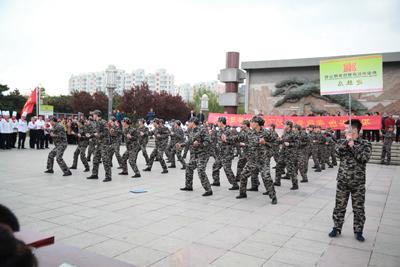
[351, 75]
[46, 110]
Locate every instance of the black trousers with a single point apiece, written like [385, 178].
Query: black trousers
[397, 134]
[14, 139]
[1, 141]
[7, 138]
[32, 138]
[39, 139]
[21, 140]
[375, 136]
[46, 140]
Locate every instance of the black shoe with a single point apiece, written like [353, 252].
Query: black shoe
[137, 175]
[274, 201]
[253, 189]
[241, 196]
[123, 173]
[208, 193]
[119, 167]
[234, 187]
[88, 160]
[294, 187]
[186, 189]
[183, 168]
[314, 167]
[265, 193]
[67, 173]
[359, 236]
[147, 169]
[216, 184]
[274, 167]
[334, 232]
[330, 166]
[172, 166]
[165, 171]
[49, 171]
[322, 169]
[72, 168]
[304, 181]
[87, 170]
[285, 177]
[107, 180]
[334, 164]
[317, 170]
[277, 183]
[92, 177]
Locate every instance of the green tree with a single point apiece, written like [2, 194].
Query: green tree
[14, 101]
[61, 103]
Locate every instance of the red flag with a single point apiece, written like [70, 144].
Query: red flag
[30, 103]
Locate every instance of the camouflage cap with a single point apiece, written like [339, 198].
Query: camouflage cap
[127, 120]
[97, 112]
[195, 120]
[178, 122]
[246, 122]
[355, 123]
[297, 126]
[222, 120]
[289, 123]
[259, 120]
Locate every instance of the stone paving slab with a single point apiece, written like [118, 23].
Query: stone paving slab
[168, 227]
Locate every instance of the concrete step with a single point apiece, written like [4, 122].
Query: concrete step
[374, 161]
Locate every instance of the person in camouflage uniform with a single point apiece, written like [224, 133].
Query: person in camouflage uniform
[103, 148]
[186, 148]
[258, 141]
[388, 139]
[226, 141]
[116, 139]
[275, 144]
[303, 152]
[83, 142]
[60, 141]
[132, 148]
[315, 148]
[354, 153]
[143, 138]
[321, 147]
[287, 157]
[198, 143]
[161, 134]
[92, 141]
[212, 131]
[177, 136]
[330, 148]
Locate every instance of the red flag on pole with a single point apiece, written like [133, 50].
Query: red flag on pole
[30, 103]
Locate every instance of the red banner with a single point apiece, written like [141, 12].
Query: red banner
[30, 103]
[333, 122]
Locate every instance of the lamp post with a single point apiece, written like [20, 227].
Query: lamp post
[111, 84]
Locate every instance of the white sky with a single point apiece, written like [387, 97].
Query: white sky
[45, 41]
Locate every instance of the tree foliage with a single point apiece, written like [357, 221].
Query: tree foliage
[60, 103]
[14, 101]
[137, 102]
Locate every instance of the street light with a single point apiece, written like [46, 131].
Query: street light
[111, 84]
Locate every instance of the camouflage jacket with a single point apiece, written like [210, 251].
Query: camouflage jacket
[115, 134]
[257, 151]
[132, 142]
[304, 140]
[59, 135]
[225, 149]
[161, 134]
[103, 134]
[291, 138]
[143, 139]
[83, 130]
[353, 161]
[243, 138]
[177, 136]
[200, 135]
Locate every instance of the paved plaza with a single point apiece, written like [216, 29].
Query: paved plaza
[168, 227]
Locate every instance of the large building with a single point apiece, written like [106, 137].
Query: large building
[158, 81]
[265, 93]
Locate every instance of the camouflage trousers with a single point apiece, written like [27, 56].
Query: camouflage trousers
[199, 162]
[81, 150]
[287, 159]
[130, 155]
[102, 152]
[144, 152]
[302, 162]
[253, 168]
[178, 153]
[115, 150]
[357, 193]
[332, 155]
[223, 161]
[275, 153]
[323, 155]
[185, 151]
[315, 157]
[240, 166]
[386, 152]
[158, 153]
[57, 152]
[91, 149]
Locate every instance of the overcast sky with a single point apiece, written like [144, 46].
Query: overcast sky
[45, 42]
